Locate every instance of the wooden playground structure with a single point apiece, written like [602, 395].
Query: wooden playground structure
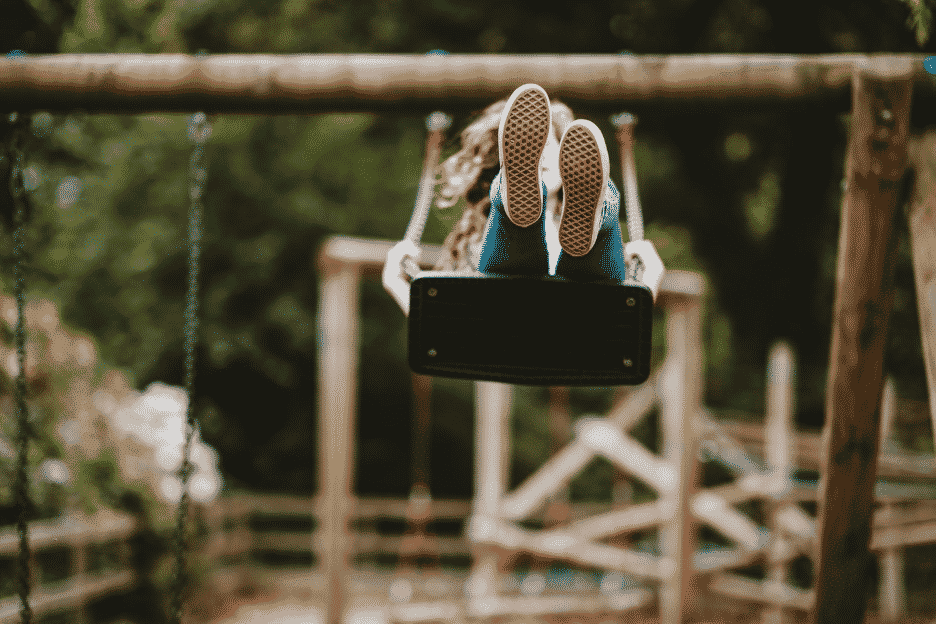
[682, 571]
[856, 511]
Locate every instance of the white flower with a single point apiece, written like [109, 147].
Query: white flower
[156, 419]
[54, 471]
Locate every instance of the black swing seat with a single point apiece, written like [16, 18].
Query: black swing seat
[544, 331]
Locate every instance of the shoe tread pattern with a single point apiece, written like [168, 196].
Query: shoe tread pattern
[580, 168]
[525, 133]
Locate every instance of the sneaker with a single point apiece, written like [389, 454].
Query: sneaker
[584, 167]
[514, 241]
[524, 130]
[590, 227]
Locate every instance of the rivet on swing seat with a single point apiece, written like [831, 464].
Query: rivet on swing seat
[531, 331]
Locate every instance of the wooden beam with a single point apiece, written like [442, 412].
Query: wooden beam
[877, 157]
[680, 391]
[418, 84]
[923, 245]
[778, 431]
[492, 457]
[810, 455]
[337, 392]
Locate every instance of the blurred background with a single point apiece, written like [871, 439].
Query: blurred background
[750, 199]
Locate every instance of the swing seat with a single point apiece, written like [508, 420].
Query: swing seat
[544, 331]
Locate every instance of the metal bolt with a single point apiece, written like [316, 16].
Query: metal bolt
[433, 292]
[628, 362]
[432, 352]
[631, 302]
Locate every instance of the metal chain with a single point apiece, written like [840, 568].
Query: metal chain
[199, 131]
[18, 193]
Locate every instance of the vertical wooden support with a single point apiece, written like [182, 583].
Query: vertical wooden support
[337, 393]
[422, 432]
[892, 593]
[79, 577]
[681, 399]
[877, 155]
[923, 249]
[557, 507]
[492, 439]
[778, 447]
[622, 486]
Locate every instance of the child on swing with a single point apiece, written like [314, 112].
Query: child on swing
[541, 203]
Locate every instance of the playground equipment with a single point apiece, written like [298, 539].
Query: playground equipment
[790, 532]
[608, 323]
[880, 88]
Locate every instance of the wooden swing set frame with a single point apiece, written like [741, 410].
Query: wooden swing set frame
[879, 148]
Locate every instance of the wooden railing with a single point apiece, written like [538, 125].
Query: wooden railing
[248, 527]
[245, 526]
[84, 538]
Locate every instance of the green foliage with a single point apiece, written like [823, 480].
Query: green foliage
[920, 20]
[112, 198]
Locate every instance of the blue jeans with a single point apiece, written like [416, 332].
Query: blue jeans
[508, 249]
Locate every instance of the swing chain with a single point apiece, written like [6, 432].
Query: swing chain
[199, 130]
[19, 217]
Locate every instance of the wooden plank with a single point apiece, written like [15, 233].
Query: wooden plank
[760, 591]
[493, 403]
[552, 475]
[809, 452]
[559, 544]
[318, 83]
[390, 544]
[781, 397]
[338, 324]
[544, 605]
[922, 220]
[877, 156]
[626, 453]
[715, 511]
[442, 508]
[71, 529]
[67, 594]
[680, 391]
[630, 518]
[908, 535]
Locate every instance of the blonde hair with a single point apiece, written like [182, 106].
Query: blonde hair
[468, 174]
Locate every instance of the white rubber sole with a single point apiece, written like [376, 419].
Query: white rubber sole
[524, 129]
[584, 167]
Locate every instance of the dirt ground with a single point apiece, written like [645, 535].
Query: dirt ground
[712, 609]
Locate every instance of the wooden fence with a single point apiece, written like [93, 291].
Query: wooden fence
[247, 527]
[85, 539]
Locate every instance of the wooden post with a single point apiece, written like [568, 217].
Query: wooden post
[338, 365]
[892, 593]
[417, 543]
[681, 398]
[622, 487]
[557, 507]
[877, 155]
[422, 432]
[80, 577]
[492, 439]
[778, 448]
[922, 219]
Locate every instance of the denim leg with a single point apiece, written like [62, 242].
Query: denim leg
[606, 258]
[509, 249]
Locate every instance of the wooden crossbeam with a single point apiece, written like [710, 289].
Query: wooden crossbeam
[417, 84]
